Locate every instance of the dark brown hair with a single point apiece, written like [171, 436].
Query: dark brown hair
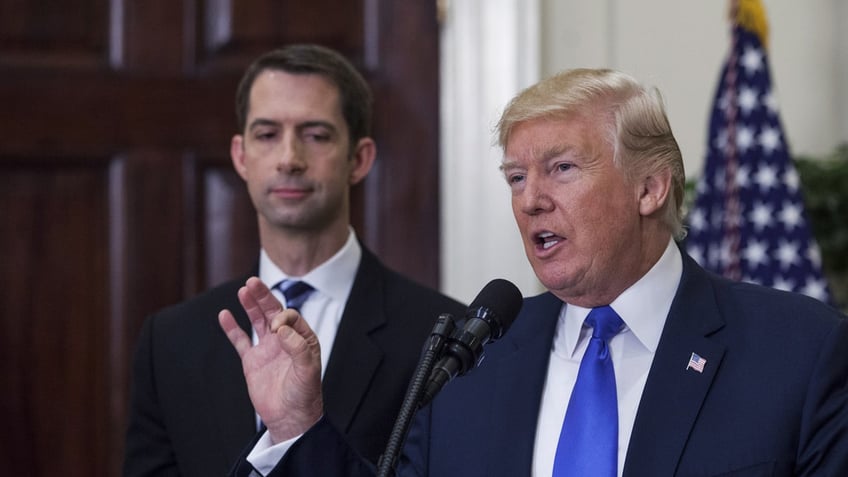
[354, 93]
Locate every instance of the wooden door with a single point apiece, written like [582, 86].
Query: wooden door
[118, 197]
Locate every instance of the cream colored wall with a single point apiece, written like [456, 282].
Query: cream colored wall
[493, 48]
[841, 53]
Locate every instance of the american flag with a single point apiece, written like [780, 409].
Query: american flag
[696, 362]
[748, 221]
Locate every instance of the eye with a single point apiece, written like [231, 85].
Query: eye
[564, 166]
[316, 137]
[515, 178]
[316, 134]
[265, 135]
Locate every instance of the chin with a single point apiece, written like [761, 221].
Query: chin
[552, 282]
[554, 278]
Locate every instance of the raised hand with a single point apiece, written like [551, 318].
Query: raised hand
[283, 371]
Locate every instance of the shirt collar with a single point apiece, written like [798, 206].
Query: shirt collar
[643, 307]
[333, 278]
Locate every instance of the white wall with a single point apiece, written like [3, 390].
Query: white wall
[493, 48]
[840, 53]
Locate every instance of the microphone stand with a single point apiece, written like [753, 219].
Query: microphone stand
[435, 345]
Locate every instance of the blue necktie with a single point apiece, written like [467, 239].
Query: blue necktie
[296, 292]
[588, 443]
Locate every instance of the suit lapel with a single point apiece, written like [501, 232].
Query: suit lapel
[673, 394]
[355, 357]
[521, 363]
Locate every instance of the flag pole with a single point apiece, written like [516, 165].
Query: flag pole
[732, 218]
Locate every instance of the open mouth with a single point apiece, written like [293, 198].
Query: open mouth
[547, 240]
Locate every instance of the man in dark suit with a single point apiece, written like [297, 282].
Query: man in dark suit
[304, 119]
[637, 362]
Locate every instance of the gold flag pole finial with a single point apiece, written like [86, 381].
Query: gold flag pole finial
[751, 15]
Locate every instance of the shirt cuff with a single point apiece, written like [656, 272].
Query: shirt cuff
[265, 456]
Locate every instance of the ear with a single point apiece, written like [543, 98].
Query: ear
[237, 155]
[653, 192]
[362, 159]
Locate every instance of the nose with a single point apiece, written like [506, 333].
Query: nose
[290, 155]
[534, 198]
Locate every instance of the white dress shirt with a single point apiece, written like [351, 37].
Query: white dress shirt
[332, 281]
[643, 307]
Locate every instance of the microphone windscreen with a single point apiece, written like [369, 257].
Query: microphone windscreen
[502, 298]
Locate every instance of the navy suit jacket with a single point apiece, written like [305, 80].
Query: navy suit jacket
[772, 398]
[190, 414]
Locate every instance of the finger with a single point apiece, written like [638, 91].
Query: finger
[254, 313]
[304, 349]
[295, 320]
[297, 338]
[287, 317]
[239, 339]
[265, 300]
[295, 334]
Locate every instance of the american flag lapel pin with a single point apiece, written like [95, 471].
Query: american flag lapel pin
[696, 362]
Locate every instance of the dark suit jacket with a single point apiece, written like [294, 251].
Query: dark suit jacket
[772, 398]
[190, 412]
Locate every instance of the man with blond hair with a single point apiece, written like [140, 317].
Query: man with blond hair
[636, 362]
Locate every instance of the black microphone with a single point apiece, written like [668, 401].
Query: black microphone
[488, 317]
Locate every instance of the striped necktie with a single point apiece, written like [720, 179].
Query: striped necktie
[295, 292]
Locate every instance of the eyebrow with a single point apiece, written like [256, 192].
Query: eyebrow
[506, 164]
[261, 122]
[258, 122]
[317, 123]
[539, 154]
